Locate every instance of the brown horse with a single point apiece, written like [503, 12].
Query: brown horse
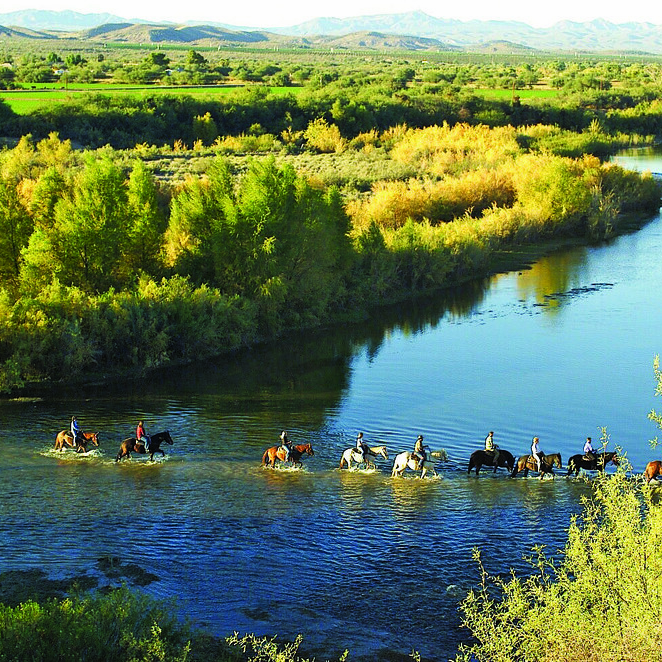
[480, 458]
[65, 438]
[131, 445]
[653, 470]
[601, 460]
[277, 453]
[526, 463]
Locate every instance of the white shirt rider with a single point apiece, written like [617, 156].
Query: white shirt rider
[535, 451]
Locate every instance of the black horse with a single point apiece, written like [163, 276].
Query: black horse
[480, 458]
[598, 463]
[131, 445]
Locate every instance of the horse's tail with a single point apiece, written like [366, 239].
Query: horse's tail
[342, 462]
[513, 473]
[265, 456]
[471, 464]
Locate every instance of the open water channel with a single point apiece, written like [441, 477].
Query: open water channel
[351, 560]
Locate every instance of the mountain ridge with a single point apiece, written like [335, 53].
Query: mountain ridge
[422, 31]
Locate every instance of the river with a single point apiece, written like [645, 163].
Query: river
[354, 560]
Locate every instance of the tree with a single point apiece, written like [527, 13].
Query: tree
[145, 234]
[15, 229]
[204, 128]
[90, 232]
[158, 59]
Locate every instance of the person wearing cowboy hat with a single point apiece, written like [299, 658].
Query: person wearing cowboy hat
[419, 455]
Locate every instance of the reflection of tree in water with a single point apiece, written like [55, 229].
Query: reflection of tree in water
[552, 277]
[413, 496]
[306, 373]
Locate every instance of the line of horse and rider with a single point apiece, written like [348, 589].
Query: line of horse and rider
[141, 443]
[420, 459]
[423, 460]
[543, 463]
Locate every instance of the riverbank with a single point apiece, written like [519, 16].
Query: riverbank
[244, 258]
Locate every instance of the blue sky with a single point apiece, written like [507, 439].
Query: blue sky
[264, 13]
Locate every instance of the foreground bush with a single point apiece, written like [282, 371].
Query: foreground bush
[115, 627]
[600, 601]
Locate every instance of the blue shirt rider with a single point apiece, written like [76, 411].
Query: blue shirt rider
[75, 430]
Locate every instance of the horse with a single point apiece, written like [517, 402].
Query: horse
[353, 455]
[405, 460]
[66, 438]
[132, 445]
[481, 457]
[579, 461]
[526, 463]
[277, 453]
[653, 470]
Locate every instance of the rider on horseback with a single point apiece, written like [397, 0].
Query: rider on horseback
[142, 436]
[589, 452]
[419, 455]
[491, 447]
[75, 431]
[536, 452]
[361, 447]
[285, 444]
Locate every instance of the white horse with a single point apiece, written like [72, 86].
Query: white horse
[353, 455]
[405, 460]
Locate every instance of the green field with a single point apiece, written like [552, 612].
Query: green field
[23, 102]
[540, 93]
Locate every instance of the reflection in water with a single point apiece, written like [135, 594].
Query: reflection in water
[555, 274]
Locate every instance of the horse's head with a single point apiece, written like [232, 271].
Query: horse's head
[614, 459]
[94, 438]
[167, 438]
[556, 460]
[308, 449]
[383, 452]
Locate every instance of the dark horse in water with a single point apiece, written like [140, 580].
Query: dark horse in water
[480, 458]
[527, 463]
[598, 463]
[65, 438]
[277, 453]
[131, 445]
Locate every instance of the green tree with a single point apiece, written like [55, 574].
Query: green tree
[204, 128]
[145, 234]
[16, 226]
[90, 233]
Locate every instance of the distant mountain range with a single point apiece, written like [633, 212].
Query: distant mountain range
[407, 31]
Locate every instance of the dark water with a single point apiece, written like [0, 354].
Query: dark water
[350, 559]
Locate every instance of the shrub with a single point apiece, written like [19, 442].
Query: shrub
[601, 600]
